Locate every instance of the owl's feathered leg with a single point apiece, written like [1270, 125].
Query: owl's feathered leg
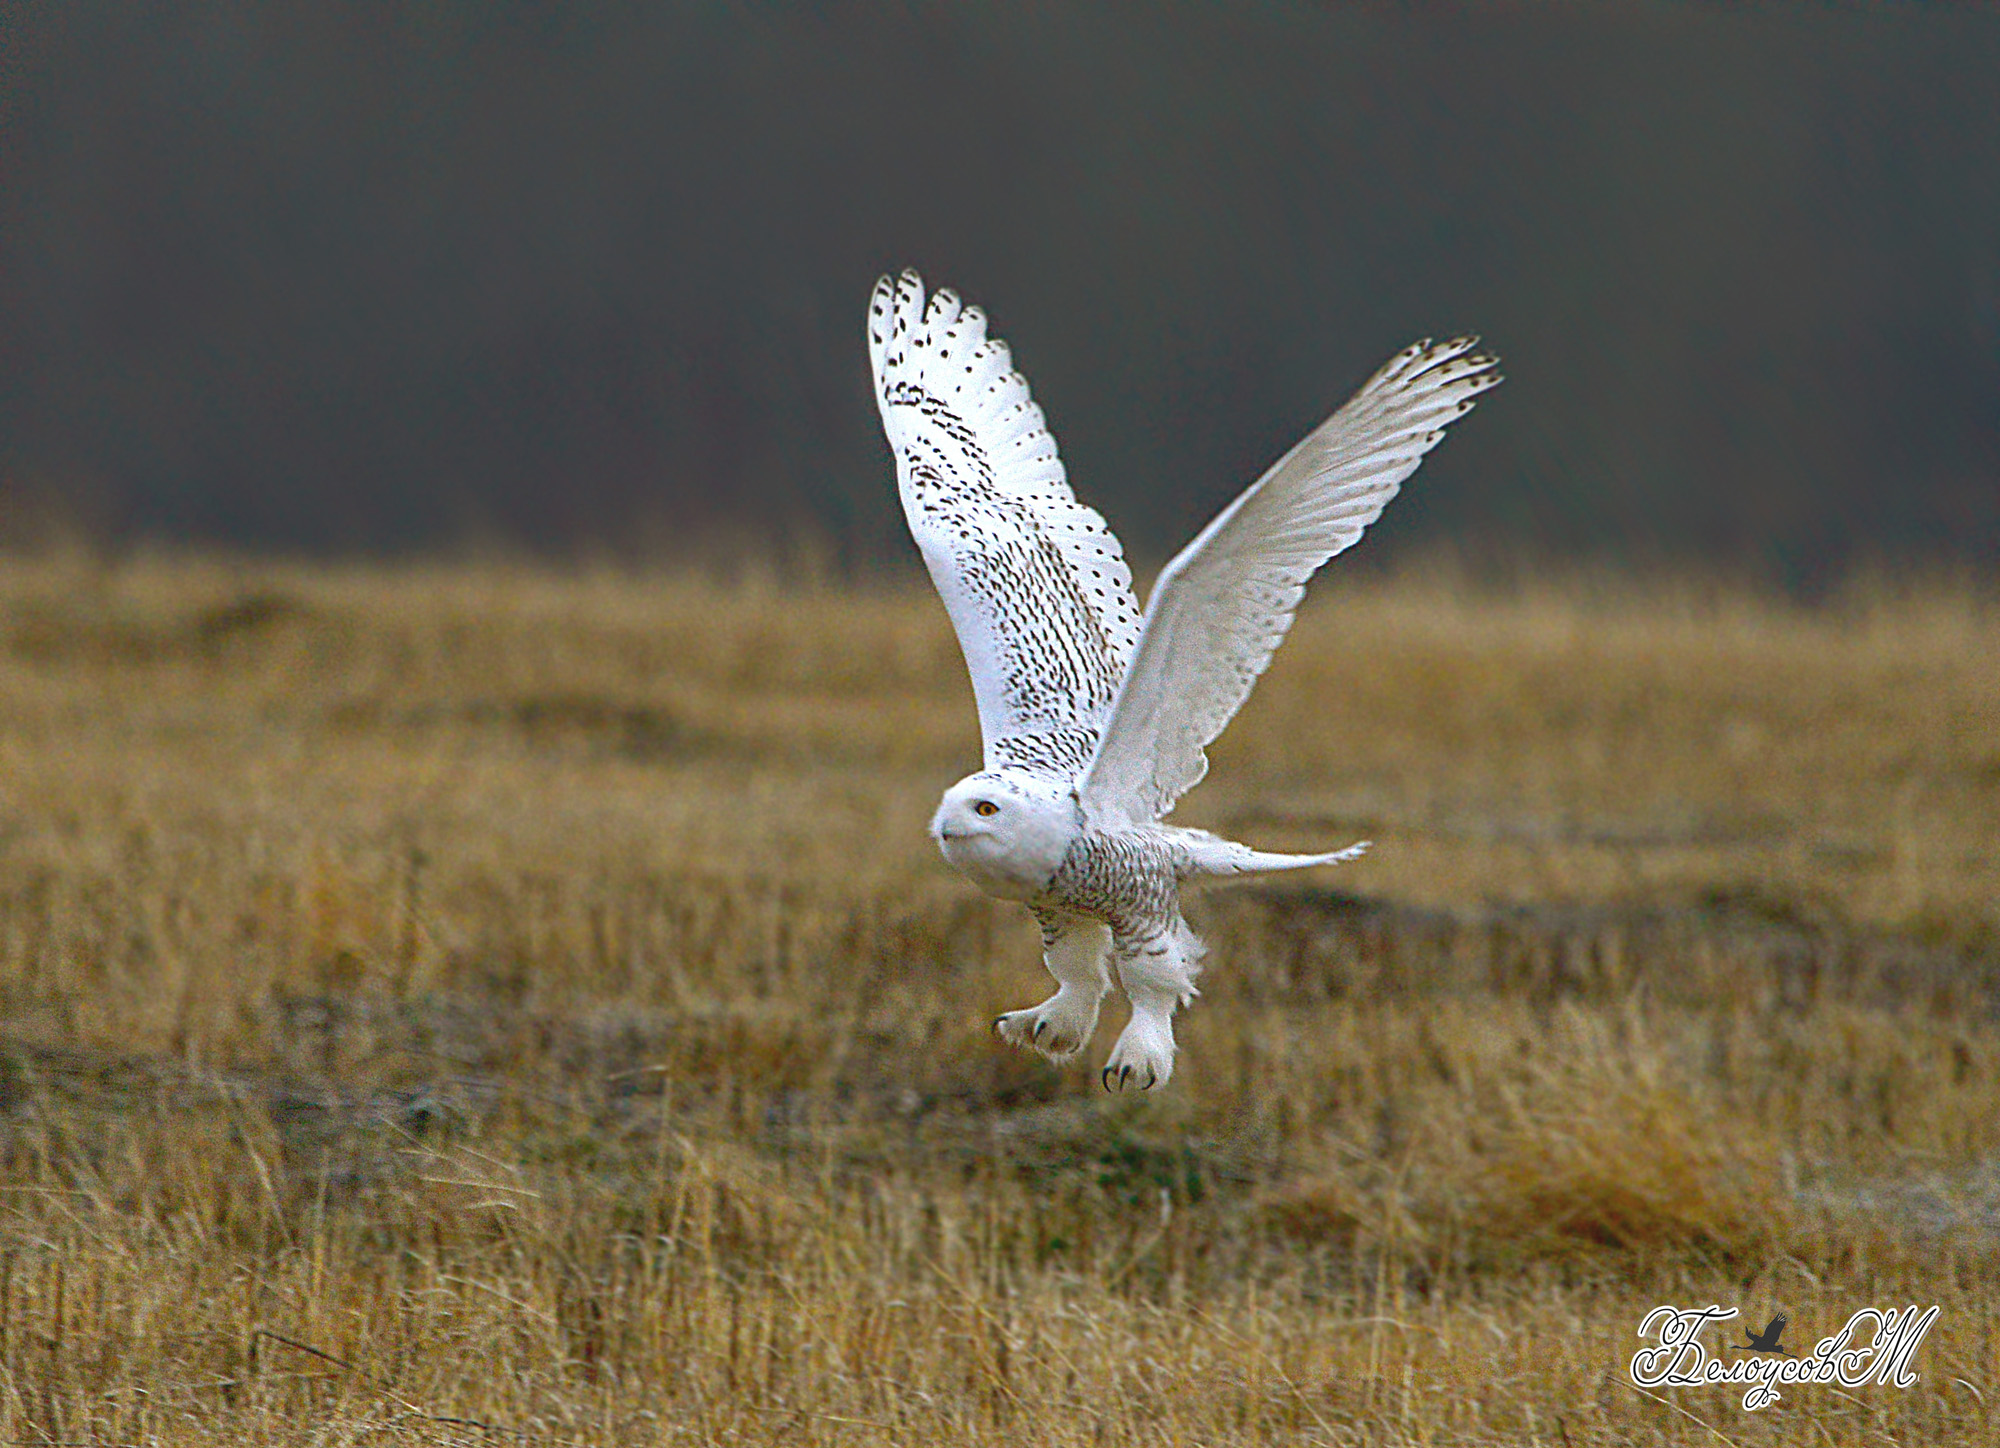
[1157, 967]
[1073, 948]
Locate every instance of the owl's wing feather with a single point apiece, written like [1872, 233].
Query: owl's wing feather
[1036, 585]
[1222, 606]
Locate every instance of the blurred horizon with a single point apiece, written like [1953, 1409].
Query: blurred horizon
[592, 278]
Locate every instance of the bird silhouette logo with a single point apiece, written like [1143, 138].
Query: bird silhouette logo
[1767, 1340]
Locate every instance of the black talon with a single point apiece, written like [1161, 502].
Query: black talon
[1107, 1078]
[1152, 1079]
[1040, 1026]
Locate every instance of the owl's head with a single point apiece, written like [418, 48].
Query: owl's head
[1006, 830]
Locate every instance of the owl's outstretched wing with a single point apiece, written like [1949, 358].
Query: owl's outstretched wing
[1036, 586]
[1221, 608]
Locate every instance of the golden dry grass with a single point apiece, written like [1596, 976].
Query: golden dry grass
[477, 1004]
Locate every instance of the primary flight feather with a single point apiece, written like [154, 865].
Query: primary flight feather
[1094, 715]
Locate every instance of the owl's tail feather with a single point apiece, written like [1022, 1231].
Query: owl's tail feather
[1213, 855]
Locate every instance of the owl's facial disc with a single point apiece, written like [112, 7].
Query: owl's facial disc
[1005, 831]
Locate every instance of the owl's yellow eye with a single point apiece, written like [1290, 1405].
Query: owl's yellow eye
[986, 807]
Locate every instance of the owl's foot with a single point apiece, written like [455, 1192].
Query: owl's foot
[1057, 1028]
[1144, 1055]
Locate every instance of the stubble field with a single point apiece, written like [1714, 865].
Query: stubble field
[478, 1004]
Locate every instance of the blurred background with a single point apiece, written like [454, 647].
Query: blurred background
[589, 278]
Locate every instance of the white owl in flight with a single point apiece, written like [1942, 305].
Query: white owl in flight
[1094, 714]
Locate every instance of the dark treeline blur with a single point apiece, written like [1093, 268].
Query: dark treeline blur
[591, 276]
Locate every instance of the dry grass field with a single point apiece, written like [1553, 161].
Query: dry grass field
[474, 1004]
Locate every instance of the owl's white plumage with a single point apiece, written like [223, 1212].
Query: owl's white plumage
[1036, 585]
[1095, 716]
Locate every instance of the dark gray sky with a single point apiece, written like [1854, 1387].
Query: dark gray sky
[385, 277]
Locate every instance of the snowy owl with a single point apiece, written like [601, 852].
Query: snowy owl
[1095, 715]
